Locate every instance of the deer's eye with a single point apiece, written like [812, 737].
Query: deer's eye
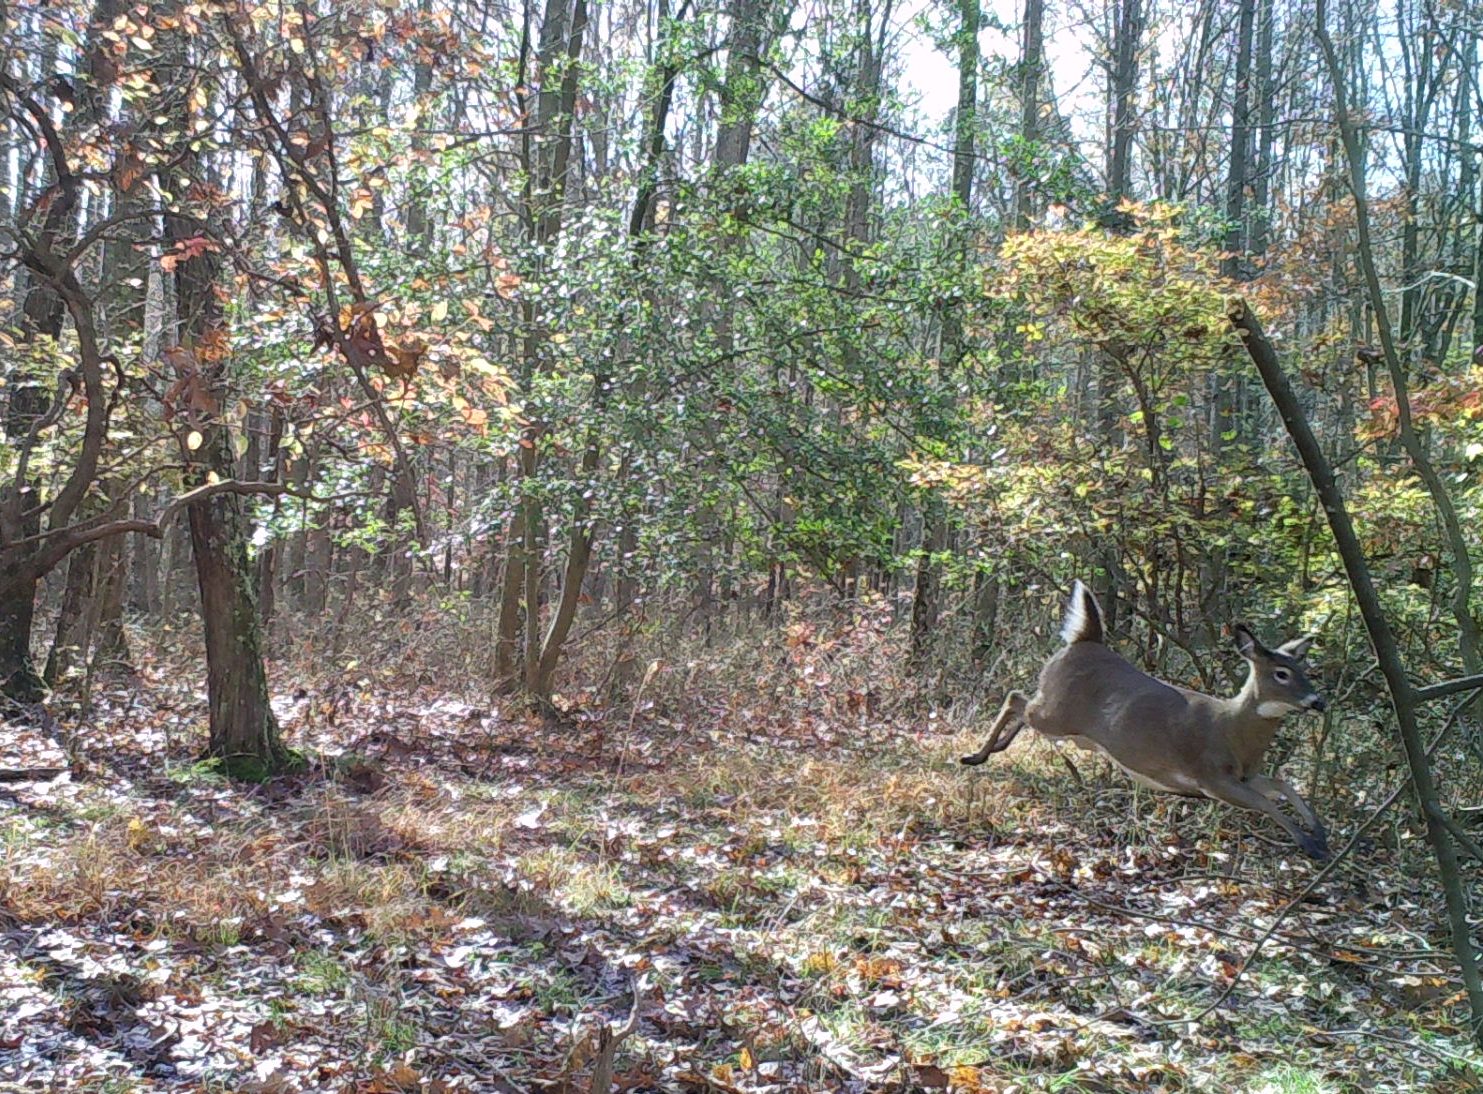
[1282, 676]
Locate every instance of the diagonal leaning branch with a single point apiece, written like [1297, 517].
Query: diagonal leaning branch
[1405, 698]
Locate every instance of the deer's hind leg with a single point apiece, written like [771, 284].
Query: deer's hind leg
[1005, 729]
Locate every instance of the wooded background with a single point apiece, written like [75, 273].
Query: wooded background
[576, 326]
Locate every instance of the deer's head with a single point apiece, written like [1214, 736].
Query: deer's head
[1278, 678]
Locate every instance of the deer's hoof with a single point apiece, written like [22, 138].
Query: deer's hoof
[971, 761]
[1315, 846]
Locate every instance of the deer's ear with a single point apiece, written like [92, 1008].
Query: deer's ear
[1246, 643]
[1297, 648]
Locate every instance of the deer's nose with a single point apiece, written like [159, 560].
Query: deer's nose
[1316, 703]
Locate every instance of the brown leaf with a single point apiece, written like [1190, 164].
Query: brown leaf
[264, 1035]
[931, 1076]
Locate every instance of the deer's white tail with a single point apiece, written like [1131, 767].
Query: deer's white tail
[1083, 621]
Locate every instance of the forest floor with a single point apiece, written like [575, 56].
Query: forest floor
[458, 899]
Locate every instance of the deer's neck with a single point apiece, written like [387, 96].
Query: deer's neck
[1248, 731]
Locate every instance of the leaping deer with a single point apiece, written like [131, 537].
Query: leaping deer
[1167, 737]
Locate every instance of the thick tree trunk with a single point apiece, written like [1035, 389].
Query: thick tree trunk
[18, 677]
[1128, 32]
[743, 88]
[243, 731]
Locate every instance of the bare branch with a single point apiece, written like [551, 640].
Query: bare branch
[1449, 687]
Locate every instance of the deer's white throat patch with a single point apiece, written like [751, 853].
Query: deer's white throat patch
[1274, 708]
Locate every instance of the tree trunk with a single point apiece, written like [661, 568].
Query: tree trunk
[18, 677]
[1260, 216]
[743, 89]
[73, 639]
[1127, 34]
[1237, 233]
[579, 546]
[243, 730]
[1032, 58]
[111, 643]
[926, 598]
[1227, 384]
[545, 155]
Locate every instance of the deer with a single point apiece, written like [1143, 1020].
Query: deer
[1167, 737]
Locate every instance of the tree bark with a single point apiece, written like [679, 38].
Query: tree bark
[1260, 215]
[1237, 232]
[18, 677]
[1127, 34]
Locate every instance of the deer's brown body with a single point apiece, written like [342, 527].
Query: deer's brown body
[1166, 737]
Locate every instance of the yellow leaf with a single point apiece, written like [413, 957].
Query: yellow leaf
[361, 204]
[440, 311]
[747, 1060]
[139, 834]
[194, 441]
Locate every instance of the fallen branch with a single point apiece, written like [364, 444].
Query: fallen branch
[29, 774]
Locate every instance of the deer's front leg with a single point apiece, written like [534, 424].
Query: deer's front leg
[1006, 727]
[1275, 787]
[1244, 795]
